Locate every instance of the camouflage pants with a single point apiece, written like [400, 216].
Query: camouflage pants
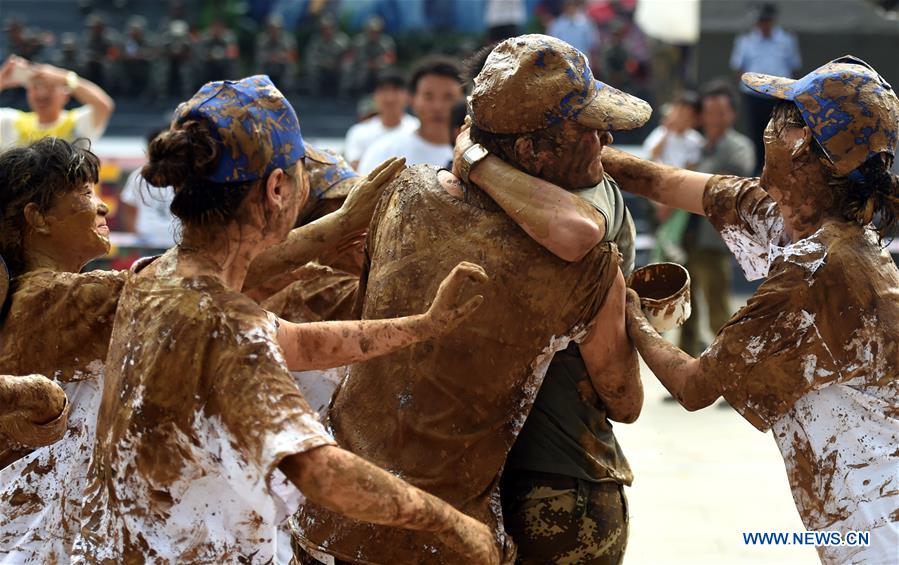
[563, 520]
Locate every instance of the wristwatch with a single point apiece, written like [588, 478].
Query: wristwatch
[471, 157]
[72, 80]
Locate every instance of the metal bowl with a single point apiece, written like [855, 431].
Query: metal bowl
[664, 290]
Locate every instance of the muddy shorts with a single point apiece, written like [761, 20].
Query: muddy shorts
[563, 520]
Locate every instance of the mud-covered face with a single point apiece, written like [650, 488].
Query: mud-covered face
[574, 159]
[76, 225]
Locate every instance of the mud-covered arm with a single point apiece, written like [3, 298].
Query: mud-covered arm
[348, 485]
[611, 358]
[677, 188]
[322, 345]
[560, 221]
[680, 373]
[274, 268]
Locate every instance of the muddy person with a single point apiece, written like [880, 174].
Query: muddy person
[445, 414]
[814, 354]
[57, 321]
[203, 438]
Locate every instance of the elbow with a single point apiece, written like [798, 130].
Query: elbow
[693, 400]
[579, 238]
[626, 415]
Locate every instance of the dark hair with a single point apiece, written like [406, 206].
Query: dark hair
[457, 117]
[182, 158]
[390, 77]
[873, 199]
[688, 98]
[434, 65]
[39, 174]
[719, 87]
[475, 63]
[154, 133]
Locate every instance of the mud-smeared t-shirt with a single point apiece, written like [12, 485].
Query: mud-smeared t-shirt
[814, 356]
[443, 414]
[320, 293]
[198, 409]
[58, 325]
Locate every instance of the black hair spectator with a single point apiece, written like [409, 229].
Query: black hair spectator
[435, 65]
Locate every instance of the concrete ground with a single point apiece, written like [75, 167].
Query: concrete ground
[701, 480]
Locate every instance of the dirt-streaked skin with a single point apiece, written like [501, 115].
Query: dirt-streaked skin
[27, 404]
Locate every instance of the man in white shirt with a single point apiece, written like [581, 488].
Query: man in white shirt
[49, 89]
[436, 86]
[390, 98]
[145, 208]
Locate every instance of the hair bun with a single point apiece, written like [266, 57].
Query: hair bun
[181, 156]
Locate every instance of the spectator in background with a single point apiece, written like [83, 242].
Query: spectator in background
[68, 56]
[575, 28]
[504, 19]
[726, 152]
[219, 52]
[325, 58]
[390, 99]
[101, 51]
[675, 142]
[145, 208]
[48, 90]
[276, 54]
[372, 52]
[766, 49]
[177, 60]
[138, 55]
[20, 40]
[625, 55]
[436, 86]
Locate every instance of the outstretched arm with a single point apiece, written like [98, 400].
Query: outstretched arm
[560, 221]
[680, 373]
[347, 484]
[666, 185]
[611, 358]
[321, 345]
[273, 269]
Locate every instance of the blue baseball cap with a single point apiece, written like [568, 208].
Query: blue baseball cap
[328, 173]
[852, 112]
[257, 127]
[531, 82]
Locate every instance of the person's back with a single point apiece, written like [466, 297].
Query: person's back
[444, 415]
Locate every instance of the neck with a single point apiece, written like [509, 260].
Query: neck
[391, 121]
[37, 259]
[434, 133]
[714, 137]
[226, 256]
[48, 117]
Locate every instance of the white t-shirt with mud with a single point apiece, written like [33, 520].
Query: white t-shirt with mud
[362, 135]
[681, 149]
[406, 144]
[21, 128]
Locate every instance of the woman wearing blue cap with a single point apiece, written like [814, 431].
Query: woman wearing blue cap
[814, 354]
[204, 443]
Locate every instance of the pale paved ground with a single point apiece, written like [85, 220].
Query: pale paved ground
[701, 479]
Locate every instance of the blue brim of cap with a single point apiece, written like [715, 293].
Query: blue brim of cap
[319, 156]
[770, 86]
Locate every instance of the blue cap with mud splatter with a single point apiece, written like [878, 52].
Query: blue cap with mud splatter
[531, 82]
[852, 112]
[257, 127]
[328, 174]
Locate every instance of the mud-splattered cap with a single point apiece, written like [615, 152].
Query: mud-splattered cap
[851, 110]
[256, 125]
[329, 174]
[534, 81]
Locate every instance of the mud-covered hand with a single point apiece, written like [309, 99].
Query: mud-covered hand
[34, 409]
[473, 540]
[463, 142]
[636, 319]
[360, 203]
[449, 309]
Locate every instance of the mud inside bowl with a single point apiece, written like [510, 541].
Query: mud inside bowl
[664, 290]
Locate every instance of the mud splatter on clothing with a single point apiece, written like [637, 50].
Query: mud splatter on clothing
[814, 356]
[320, 293]
[58, 325]
[443, 414]
[198, 410]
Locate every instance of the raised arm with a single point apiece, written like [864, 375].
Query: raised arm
[84, 91]
[560, 221]
[680, 373]
[321, 345]
[611, 358]
[273, 269]
[347, 484]
[33, 409]
[677, 188]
